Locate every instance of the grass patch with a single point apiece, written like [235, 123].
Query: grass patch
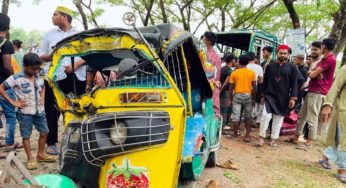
[231, 176]
[283, 183]
[307, 175]
[306, 168]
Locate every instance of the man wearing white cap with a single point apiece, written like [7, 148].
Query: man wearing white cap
[62, 18]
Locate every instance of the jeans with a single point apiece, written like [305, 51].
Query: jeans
[259, 111]
[26, 122]
[335, 155]
[10, 115]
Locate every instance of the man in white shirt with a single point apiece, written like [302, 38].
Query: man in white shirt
[258, 108]
[62, 18]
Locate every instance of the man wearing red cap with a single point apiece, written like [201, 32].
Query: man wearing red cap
[279, 94]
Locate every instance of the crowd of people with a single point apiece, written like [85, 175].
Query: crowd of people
[259, 93]
[262, 94]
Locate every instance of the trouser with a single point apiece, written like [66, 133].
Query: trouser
[334, 154]
[309, 114]
[225, 107]
[52, 113]
[276, 125]
[10, 115]
[258, 111]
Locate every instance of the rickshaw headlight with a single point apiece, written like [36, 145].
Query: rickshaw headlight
[118, 133]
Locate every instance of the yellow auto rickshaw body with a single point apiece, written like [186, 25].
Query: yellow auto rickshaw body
[129, 132]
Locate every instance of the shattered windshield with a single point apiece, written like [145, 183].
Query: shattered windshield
[124, 67]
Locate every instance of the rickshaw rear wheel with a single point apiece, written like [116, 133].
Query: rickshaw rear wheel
[212, 158]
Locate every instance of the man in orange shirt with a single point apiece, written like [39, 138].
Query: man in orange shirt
[242, 92]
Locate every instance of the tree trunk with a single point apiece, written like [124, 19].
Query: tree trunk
[183, 18]
[223, 19]
[164, 15]
[292, 12]
[5, 5]
[338, 31]
[343, 61]
[188, 10]
[4, 10]
[82, 13]
[146, 19]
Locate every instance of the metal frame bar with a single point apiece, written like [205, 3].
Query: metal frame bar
[98, 161]
[189, 103]
[178, 61]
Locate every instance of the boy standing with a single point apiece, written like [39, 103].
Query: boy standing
[29, 89]
[242, 84]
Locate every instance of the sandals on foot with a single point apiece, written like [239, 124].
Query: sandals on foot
[52, 150]
[226, 130]
[341, 177]
[304, 147]
[273, 144]
[260, 143]
[292, 140]
[247, 139]
[47, 159]
[31, 165]
[325, 164]
[13, 147]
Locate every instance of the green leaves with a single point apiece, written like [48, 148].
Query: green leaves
[126, 170]
[27, 37]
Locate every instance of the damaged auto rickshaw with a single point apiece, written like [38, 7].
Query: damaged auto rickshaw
[150, 122]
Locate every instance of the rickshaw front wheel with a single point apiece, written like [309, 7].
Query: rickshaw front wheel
[212, 158]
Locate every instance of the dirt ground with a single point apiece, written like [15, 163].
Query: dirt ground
[42, 167]
[284, 167]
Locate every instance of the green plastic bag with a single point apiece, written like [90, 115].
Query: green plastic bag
[53, 181]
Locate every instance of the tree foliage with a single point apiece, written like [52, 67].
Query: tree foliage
[318, 17]
[314, 17]
[27, 37]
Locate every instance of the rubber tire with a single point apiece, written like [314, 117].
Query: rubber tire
[211, 159]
